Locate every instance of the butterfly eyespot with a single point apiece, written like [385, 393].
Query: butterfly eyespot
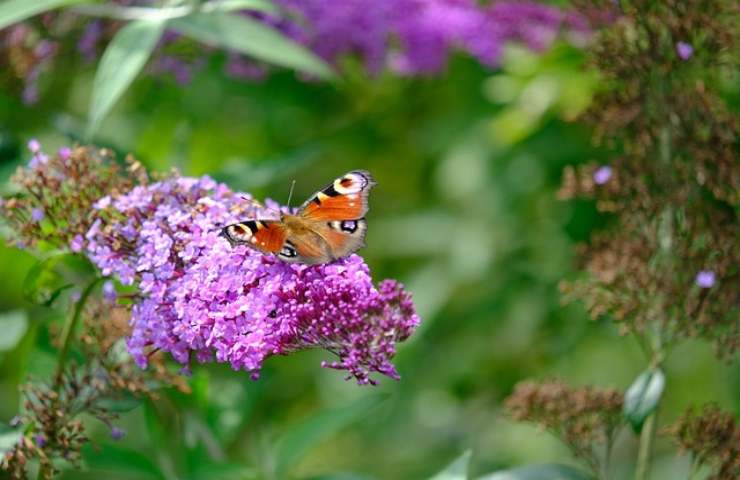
[288, 252]
[349, 226]
[349, 184]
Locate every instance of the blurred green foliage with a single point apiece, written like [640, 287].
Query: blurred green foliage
[465, 214]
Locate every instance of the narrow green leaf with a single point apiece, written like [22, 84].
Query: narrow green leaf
[457, 470]
[13, 326]
[231, 5]
[48, 278]
[43, 284]
[643, 396]
[13, 11]
[122, 61]
[119, 404]
[294, 444]
[249, 36]
[8, 438]
[547, 471]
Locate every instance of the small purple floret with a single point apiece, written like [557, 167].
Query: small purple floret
[37, 215]
[64, 153]
[109, 291]
[602, 174]
[684, 50]
[34, 146]
[39, 440]
[77, 243]
[117, 433]
[706, 279]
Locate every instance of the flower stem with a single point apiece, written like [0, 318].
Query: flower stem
[68, 330]
[67, 333]
[645, 452]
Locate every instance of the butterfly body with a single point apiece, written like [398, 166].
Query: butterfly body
[328, 226]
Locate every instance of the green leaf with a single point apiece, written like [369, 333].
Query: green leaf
[259, 5]
[122, 61]
[251, 37]
[295, 443]
[119, 404]
[457, 470]
[13, 326]
[112, 458]
[209, 470]
[547, 471]
[338, 476]
[43, 283]
[643, 396]
[13, 11]
[8, 438]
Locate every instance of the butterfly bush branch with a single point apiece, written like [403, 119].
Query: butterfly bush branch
[205, 300]
[712, 437]
[669, 272]
[199, 298]
[49, 422]
[582, 418]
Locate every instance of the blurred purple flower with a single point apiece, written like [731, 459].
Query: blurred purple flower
[39, 440]
[87, 45]
[109, 291]
[64, 153]
[37, 215]
[705, 279]
[77, 243]
[34, 146]
[203, 300]
[684, 50]
[602, 174]
[427, 31]
[117, 433]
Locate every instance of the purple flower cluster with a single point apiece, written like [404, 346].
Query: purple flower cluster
[202, 300]
[425, 30]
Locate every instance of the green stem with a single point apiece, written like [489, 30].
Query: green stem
[69, 327]
[646, 446]
[607, 456]
[67, 332]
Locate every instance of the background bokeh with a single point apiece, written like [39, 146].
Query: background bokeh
[465, 214]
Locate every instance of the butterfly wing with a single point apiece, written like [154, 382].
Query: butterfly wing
[343, 237]
[344, 199]
[329, 226]
[291, 240]
[337, 212]
[268, 236]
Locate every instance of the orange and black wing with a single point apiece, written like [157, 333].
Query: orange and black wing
[346, 198]
[268, 236]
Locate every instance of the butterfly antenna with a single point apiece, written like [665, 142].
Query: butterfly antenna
[290, 195]
[259, 204]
